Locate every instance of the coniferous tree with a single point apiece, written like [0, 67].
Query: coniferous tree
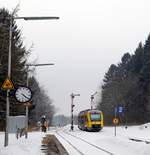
[144, 83]
[128, 84]
[41, 102]
[18, 57]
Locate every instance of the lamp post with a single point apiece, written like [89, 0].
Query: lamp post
[92, 98]
[9, 64]
[72, 105]
[27, 109]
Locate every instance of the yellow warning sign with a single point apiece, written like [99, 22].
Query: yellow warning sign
[7, 84]
[115, 120]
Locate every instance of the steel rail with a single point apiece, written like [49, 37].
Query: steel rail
[70, 143]
[95, 146]
[99, 148]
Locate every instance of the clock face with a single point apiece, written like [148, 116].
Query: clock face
[23, 94]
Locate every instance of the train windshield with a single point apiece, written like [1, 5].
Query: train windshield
[95, 116]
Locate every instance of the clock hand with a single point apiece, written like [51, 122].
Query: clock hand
[25, 96]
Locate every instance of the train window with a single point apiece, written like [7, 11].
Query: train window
[95, 117]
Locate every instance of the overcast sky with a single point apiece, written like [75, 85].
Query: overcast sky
[89, 36]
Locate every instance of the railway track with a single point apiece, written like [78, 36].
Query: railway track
[83, 142]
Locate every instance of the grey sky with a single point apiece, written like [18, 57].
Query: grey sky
[90, 35]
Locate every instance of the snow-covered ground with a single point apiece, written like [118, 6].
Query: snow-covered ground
[105, 139]
[22, 146]
[119, 145]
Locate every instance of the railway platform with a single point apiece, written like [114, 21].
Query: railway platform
[52, 146]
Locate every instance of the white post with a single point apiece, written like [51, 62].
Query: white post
[9, 76]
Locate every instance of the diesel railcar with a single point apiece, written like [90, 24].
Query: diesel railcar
[90, 120]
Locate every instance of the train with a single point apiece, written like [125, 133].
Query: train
[90, 120]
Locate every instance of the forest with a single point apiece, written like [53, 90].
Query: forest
[41, 104]
[127, 84]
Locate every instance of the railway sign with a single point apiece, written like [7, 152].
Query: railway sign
[7, 84]
[115, 121]
[120, 109]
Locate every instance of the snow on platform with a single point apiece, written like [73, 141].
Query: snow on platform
[22, 146]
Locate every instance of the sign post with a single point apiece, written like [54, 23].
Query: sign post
[7, 86]
[115, 120]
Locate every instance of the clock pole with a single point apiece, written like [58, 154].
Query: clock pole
[23, 94]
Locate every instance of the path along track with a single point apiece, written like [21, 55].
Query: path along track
[85, 144]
